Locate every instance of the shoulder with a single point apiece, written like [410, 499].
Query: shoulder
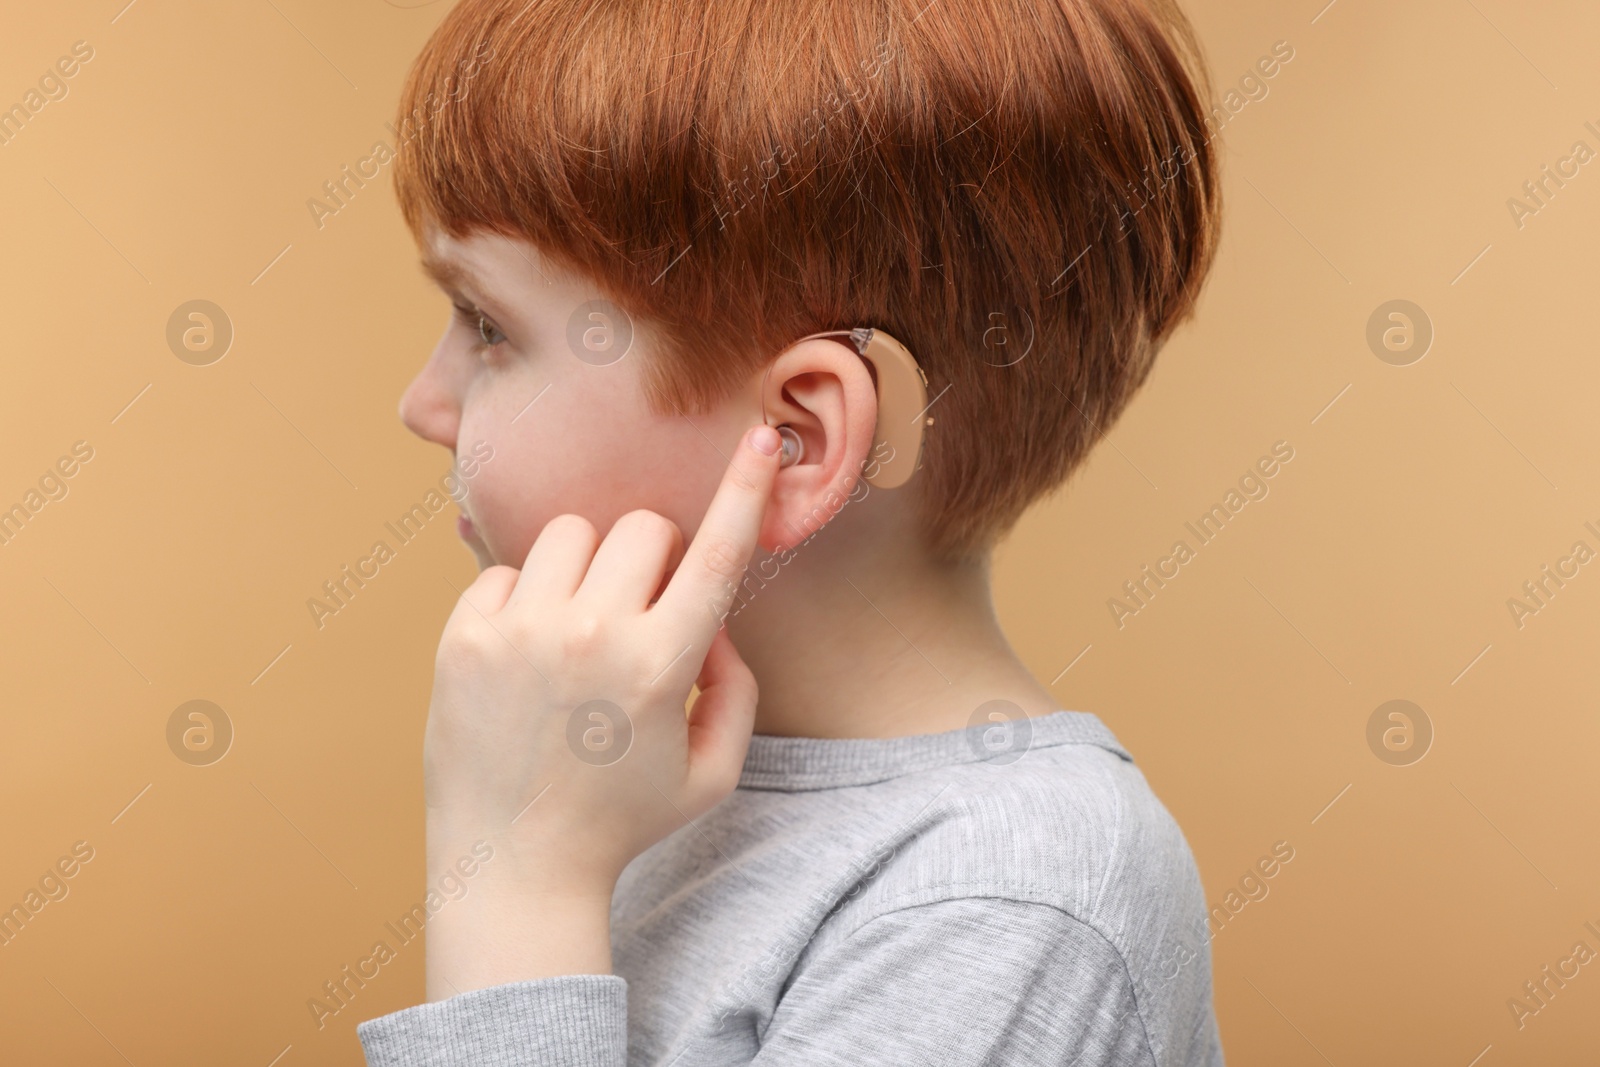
[1072, 838]
[1071, 826]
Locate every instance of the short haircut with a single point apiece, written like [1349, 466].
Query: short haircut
[1022, 191]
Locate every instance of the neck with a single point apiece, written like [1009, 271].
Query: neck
[848, 641]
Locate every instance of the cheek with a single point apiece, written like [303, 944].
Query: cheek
[577, 449]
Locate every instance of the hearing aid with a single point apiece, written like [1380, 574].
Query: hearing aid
[902, 390]
[794, 449]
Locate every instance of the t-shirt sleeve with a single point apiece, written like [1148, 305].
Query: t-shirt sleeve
[958, 982]
[578, 1020]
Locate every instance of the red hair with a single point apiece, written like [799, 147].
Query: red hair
[741, 173]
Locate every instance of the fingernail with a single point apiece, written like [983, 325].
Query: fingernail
[765, 440]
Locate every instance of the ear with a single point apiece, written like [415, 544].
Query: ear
[825, 391]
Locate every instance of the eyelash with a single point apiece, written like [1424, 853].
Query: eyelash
[475, 321]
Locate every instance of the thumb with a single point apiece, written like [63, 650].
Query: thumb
[721, 720]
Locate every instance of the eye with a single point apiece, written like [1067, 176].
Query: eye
[488, 333]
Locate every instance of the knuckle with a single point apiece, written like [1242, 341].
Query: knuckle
[649, 524]
[465, 647]
[584, 633]
[569, 524]
[724, 561]
[519, 632]
[496, 572]
[470, 604]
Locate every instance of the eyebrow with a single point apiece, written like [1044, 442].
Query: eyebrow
[448, 274]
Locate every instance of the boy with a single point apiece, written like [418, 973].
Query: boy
[906, 851]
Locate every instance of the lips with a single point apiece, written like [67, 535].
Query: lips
[465, 529]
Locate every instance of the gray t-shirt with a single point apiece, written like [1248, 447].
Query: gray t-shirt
[983, 896]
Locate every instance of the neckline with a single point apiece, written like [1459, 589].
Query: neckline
[798, 764]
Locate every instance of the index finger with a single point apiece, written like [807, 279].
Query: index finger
[702, 588]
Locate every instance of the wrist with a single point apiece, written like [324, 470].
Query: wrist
[529, 861]
[503, 931]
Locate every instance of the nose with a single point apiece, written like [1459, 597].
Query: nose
[429, 407]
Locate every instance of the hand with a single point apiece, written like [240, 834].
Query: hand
[557, 729]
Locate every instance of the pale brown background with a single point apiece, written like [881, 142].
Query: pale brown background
[1378, 167]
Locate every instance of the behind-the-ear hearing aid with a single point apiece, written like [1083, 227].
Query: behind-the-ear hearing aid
[902, 405]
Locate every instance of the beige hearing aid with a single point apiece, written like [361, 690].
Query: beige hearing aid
[902, 400]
